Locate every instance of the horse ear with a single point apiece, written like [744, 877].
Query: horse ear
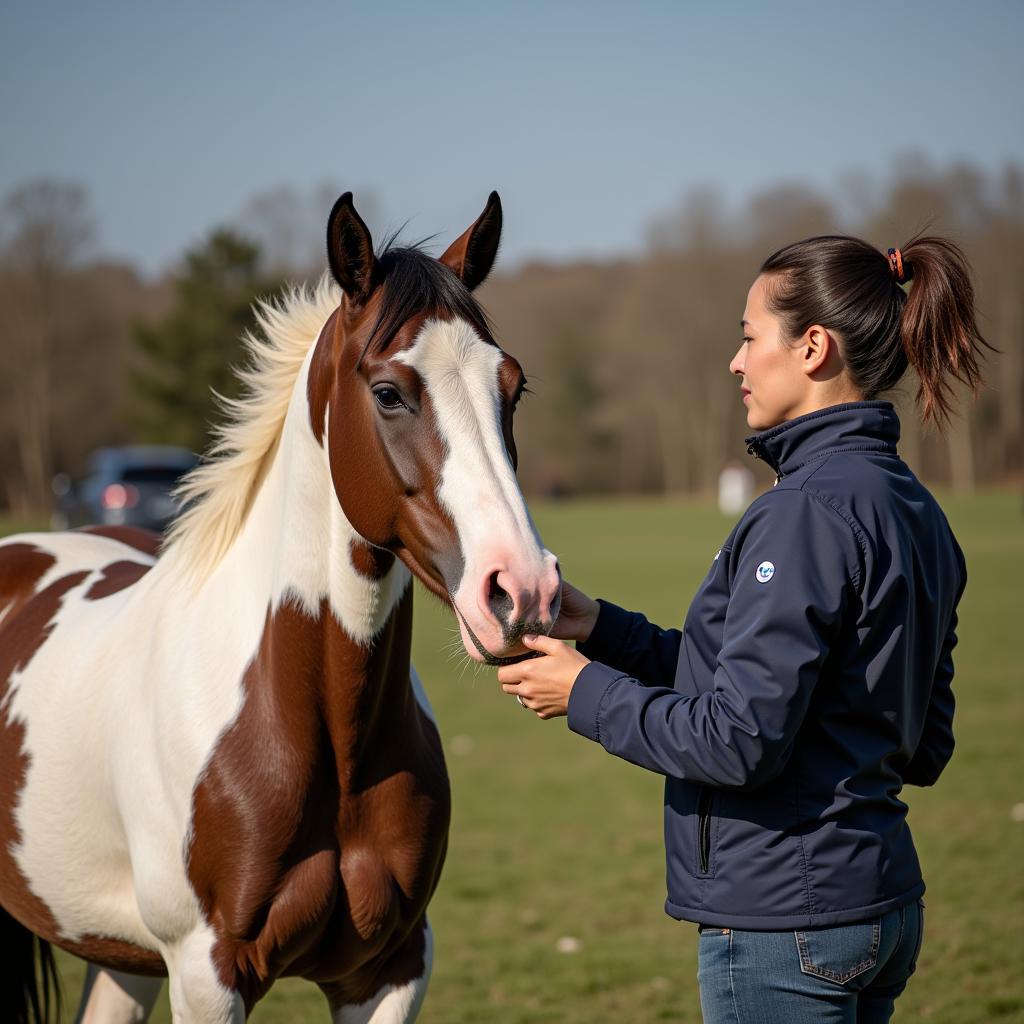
[472, 254]
[350, 251]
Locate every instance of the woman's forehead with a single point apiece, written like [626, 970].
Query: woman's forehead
[755, 311]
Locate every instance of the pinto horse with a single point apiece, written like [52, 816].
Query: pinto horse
[218, 765]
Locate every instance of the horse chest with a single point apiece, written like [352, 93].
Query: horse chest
[324, 885]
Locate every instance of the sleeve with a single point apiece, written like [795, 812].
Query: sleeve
[935, 747]
[633, 645]
[792, 568]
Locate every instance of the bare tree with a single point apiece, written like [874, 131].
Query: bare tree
[44, 232]
[287, 224]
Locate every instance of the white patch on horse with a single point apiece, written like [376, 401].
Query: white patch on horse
[478, 485]
[195, 990]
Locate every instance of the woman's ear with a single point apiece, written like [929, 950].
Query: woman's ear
[819, 353]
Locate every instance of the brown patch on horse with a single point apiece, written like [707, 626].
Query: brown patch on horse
[145, 541]
[114, 954]
[22, 566]
[373, 563]
[116, 577]
[320, 380]
[321, 818]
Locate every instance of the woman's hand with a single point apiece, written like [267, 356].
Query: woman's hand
[577, 615]
[543, 684]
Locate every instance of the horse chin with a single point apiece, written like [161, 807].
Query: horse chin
[497, 654]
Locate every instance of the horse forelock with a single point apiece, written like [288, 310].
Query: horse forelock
[415, 285]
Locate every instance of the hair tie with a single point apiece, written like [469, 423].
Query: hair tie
[896, 264]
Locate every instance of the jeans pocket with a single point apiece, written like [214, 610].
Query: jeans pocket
[710, 929]
[839, 954]
[920, 935]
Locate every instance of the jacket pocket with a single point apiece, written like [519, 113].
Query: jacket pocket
[839, 954]
[705, 803]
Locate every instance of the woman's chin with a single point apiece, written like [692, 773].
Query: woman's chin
[758, 421]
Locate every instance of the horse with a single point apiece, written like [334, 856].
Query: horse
[217, 763]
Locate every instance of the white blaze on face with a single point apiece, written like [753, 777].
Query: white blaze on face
[478, 486]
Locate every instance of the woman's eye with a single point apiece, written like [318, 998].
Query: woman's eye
[388, 398]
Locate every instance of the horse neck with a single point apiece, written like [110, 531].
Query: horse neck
[292, 576]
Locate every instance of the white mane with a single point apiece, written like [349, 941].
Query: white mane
[219, 493]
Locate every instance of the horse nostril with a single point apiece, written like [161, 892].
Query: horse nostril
[499, 599]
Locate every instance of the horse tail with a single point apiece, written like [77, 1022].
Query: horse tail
[29, 983]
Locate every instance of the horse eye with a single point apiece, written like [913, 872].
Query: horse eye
[388, 398]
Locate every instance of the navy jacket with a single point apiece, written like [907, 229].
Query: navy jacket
[809, 684]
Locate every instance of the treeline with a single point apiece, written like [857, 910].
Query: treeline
[628, 359]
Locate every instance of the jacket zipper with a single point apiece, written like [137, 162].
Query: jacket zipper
[758, 450]
[704, 830]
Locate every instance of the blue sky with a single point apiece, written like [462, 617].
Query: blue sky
[589, 118]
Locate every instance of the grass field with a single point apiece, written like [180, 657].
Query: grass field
[553, 839]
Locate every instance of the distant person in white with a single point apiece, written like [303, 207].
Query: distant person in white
[735, 488]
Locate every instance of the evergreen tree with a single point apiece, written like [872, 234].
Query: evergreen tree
[191, 353]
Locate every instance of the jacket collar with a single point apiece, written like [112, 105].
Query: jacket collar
[854, 426]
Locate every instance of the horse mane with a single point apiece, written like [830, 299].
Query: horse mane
[218, 494]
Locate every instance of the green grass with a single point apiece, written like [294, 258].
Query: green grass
[551, 837]
[12, 524]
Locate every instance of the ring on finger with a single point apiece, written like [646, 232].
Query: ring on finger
[522, 703]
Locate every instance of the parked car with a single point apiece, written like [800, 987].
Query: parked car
[128, 486]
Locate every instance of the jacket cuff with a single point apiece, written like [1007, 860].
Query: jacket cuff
[609, 635]
[586, 697]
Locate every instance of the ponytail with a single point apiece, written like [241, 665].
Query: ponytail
[851, 288]
[938, 324]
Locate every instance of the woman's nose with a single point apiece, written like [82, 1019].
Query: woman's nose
[736, 365]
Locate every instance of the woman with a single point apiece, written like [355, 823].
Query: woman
[811, 679]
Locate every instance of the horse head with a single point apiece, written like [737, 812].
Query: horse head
[414, 402]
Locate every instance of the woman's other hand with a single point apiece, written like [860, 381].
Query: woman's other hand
[577, 616]
[543, 684]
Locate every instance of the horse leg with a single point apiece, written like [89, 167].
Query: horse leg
[197, 994]
[393, 1004]
[111, 997]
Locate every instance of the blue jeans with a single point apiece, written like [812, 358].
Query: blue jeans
[850, 974]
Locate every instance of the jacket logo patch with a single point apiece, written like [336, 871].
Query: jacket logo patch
[764, 572]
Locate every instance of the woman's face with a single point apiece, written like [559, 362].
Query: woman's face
[773, 382]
